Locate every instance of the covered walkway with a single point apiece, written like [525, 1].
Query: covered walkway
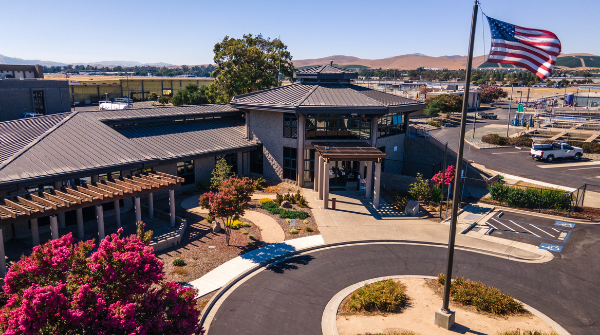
[55, 202]
[348, 151]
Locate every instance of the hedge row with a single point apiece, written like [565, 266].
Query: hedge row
[521, 141]
[283, 213]
[588, 147]
[530, 197]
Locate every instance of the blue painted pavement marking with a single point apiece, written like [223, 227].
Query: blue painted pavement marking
[564, 224]
[551, 247]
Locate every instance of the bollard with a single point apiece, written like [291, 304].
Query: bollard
[332, 203]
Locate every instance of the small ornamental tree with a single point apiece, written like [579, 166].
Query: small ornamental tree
[220, 173]
[231, 201]
[446, 178]
[118, 289]
[491, 93]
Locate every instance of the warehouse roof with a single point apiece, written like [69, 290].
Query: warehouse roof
[77, 144]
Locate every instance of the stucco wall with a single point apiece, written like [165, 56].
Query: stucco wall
[394, 149]
[16, 97]
[203, 168]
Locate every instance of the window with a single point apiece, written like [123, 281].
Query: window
[289, 163]
[256, 160]
[333, 126]
[290, 125]
[309, 164]
[186, 171]
[390, 124]
[38, 102]
[231, 160]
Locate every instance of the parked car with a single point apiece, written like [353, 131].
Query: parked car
[552, 151]
[487, 115]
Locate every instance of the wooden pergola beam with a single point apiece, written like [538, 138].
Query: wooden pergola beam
[151, 183]
[84, 196]
[31, 203]
[8, 212]
[68, 196]
[109, 189]
[126, 184]
[54, 198]
[155, 180]
[90, 192]
[140, 184]
[43, 201]
[116, 186]
[99, 190]
[18, 207]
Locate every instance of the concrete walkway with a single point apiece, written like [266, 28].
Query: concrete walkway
[228, 271]
[355, 219]
[270, 230]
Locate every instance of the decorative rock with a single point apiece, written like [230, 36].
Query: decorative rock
[412, 208]
[216, 227]
[285, 204]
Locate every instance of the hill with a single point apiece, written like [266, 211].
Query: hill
[20, 61]
[453, 62]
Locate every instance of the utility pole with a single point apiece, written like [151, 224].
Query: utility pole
[444, 317]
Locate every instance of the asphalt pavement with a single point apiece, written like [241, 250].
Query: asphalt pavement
[518, 162]
[290, 297]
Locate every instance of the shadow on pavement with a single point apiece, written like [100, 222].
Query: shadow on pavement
[269, 252]
[291, 264]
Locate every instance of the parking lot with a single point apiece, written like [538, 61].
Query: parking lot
[546, 233]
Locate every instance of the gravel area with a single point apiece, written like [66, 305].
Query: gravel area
[300, 225]
[202, 250]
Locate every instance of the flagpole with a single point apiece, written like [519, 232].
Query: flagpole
[444, 317]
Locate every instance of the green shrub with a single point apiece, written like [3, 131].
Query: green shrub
[291, 214]
[288, 220]
[279, 198]
[494, 139]
[178, 262]
[436, 194]
[308, 229]
[260, 183]
[209, 219]
[250, 243]
[384, 296]
[482, 297]
[165, 99]
[203, 185]
[252, 237]
[420, 189]
[433, 123]
[245, 224]
[521, 141]
[588, 147]
[530, 197]
[245, 232]
[305, 221]
[269, 205]
[293, 231]
[400, 203]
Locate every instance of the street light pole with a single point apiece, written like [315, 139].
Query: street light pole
[444, 317]
[509, 108]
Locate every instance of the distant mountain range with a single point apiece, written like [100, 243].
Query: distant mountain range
[109, 63]
[402, 62]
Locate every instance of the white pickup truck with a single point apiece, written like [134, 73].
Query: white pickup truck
[551, 151]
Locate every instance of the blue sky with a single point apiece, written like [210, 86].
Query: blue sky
[185, 31]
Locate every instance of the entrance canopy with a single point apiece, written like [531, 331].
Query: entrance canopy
[51, 202]
[349, 151]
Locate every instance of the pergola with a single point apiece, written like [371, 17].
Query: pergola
[347, 151]
[55, 202]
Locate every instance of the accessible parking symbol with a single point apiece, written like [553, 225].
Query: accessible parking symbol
[564, 224]
[551, 247]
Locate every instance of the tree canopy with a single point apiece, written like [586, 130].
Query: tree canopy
[247, 64]
[65, 288]
[491, 93]
[191, 94]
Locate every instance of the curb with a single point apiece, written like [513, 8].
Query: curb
[329, 319]
[208, 309]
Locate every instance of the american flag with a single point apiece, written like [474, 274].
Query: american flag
[533, 49]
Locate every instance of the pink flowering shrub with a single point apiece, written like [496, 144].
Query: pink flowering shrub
[118, 289]
[445, 178]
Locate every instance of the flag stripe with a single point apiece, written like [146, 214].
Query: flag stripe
[533, 49]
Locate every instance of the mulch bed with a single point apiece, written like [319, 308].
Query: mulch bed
[203, 251]
[583, 213]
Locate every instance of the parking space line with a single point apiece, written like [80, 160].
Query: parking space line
[518, 225]
[556, 230]
[542, 230]
[489, 224]
[504, 225]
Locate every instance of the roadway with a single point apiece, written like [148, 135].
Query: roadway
[518, 162]
[290, 297]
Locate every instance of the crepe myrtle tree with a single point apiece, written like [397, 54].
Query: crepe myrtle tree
[229, 202]
[491, 93]
[65, 288]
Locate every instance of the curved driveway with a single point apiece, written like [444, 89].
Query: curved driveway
[290, 297]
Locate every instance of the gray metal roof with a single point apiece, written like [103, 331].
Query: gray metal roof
[161, 111]
[81, 143]
[328, 68]
[325, 72]
[326, 98]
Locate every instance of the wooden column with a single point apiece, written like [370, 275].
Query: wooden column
[138, 209]
[376, 188]
[79, 214]
[35, 232]
[100, 219]
[369, 177]
[54, 227]
[325, 184]
[300, 151]
[172, 206]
